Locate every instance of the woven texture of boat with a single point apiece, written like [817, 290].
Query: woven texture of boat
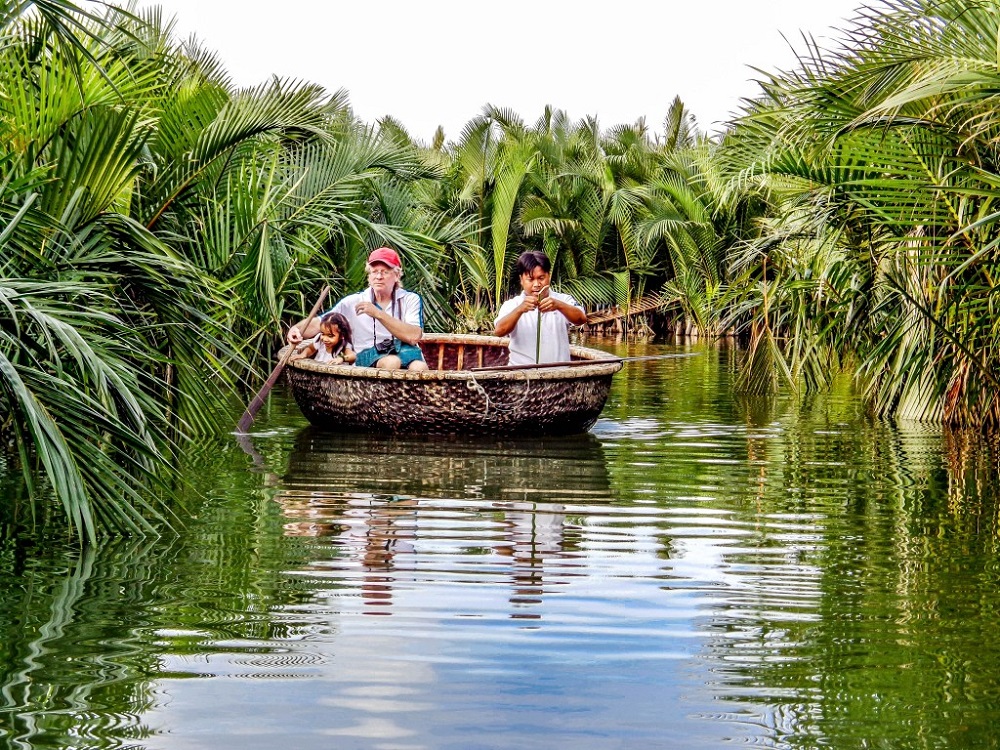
[455, 396]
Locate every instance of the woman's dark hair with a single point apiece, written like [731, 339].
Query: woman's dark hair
[336, 319]
[530, 260]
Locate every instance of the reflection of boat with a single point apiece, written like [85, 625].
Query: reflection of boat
[545, 468]
[389, 512]
[454, 396]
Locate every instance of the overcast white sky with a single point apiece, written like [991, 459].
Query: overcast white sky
[438, 62]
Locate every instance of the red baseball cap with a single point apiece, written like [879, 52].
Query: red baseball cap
[385, 255]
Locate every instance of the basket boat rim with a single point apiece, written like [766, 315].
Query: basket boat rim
[603, 364]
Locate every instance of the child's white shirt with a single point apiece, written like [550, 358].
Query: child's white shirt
[322, 355]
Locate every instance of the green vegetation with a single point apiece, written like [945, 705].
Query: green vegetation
[882, 164]
[160, 225]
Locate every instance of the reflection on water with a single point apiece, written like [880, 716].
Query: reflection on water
[699, 571]
[467, 467]
[375, 500]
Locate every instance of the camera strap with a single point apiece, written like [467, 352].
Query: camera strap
[392, 313]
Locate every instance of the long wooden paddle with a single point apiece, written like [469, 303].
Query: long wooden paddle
[258, 401]
[579, 362]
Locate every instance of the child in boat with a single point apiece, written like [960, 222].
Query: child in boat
[332, 344]
[538, 307]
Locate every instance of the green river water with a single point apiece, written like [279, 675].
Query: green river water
[698, 571]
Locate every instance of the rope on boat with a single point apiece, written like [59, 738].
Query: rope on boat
[475, 385]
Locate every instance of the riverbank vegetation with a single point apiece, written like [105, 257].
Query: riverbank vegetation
[161, 226]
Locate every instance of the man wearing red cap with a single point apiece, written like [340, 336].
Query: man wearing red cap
[386, 320]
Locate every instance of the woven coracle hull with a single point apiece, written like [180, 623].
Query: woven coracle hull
[454, 399]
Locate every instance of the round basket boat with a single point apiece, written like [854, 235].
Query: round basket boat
[459, 394]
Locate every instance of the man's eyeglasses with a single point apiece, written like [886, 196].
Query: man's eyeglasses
[380, 272]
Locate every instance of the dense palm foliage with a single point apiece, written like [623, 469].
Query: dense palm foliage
[155, 222]
[158, 227]
[885, 158]
[618, 212]
[91, 298]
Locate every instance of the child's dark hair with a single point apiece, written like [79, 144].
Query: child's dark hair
[338, 320]
[530, 260]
